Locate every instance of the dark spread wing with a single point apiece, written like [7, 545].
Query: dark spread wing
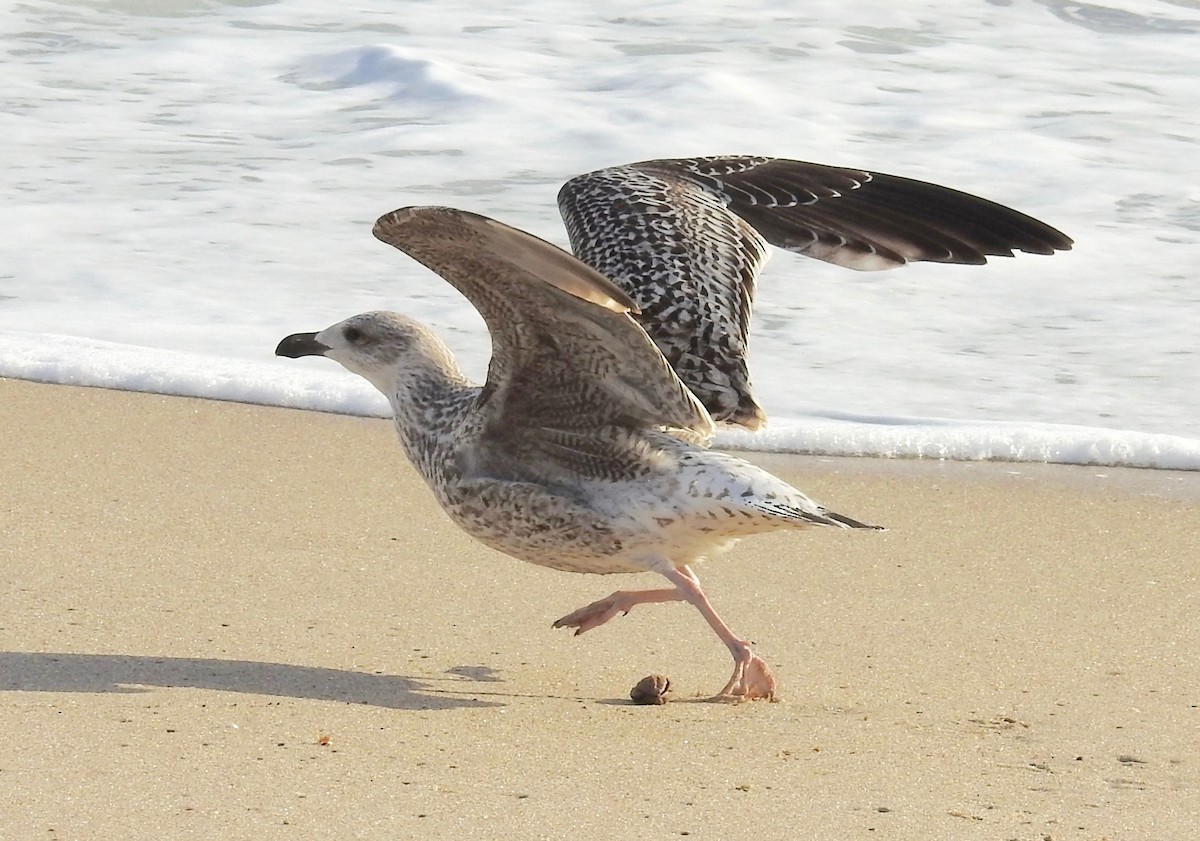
[862, 220]
[566, 355]
[686, 240]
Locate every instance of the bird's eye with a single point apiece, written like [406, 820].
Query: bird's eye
[353, 335]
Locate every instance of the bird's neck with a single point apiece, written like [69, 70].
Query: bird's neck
[429, 404]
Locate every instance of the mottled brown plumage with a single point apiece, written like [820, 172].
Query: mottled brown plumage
[583, 451]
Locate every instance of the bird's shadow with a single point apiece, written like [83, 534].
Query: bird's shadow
[123, 673]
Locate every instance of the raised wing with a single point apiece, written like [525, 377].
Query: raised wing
[566, 355]
[686, 239]
[862, 220]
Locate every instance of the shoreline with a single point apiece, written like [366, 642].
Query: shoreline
[223, 619]
[834, 434]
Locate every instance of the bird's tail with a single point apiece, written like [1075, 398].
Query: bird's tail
[811, 514]
[846, 522]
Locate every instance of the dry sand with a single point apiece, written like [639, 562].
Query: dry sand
[235, 622]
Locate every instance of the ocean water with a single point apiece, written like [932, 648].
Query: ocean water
[187, 181]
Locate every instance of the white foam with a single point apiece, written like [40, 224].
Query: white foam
[964, 440]
[409, 77]
[89, 362]
[303, 385]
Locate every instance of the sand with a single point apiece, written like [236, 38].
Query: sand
[228, 621]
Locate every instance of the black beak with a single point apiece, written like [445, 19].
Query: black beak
[301, 344]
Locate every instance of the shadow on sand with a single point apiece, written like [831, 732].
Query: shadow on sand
[55, 672]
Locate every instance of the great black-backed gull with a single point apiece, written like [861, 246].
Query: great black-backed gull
[586, 450]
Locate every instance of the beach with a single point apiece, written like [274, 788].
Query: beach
[232, 621]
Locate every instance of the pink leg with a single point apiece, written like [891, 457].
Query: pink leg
[751, 676]
[597, 613]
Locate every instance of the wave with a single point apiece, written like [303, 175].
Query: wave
[90, 362]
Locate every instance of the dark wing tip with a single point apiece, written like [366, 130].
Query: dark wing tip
[860, 219]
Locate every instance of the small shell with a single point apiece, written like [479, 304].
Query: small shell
[652, 689]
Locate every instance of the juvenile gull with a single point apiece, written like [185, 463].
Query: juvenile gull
[583, 451]
[686, 239]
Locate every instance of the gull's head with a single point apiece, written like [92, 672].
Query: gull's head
[381, 347]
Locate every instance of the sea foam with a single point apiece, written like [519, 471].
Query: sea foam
[84, 362]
